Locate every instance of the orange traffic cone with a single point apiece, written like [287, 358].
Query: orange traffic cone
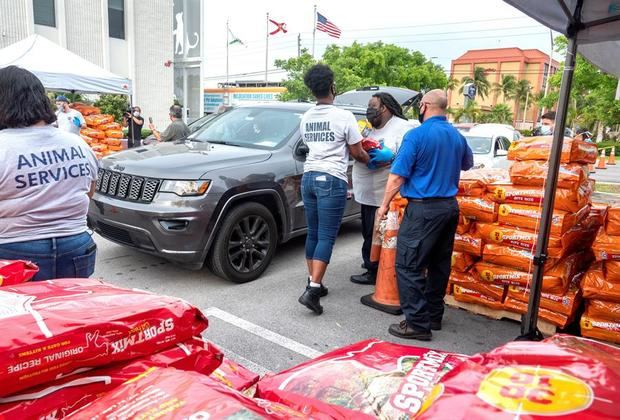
[601, 161]
[386, 298]
[612, 157]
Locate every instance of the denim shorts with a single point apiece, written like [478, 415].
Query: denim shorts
[63, 257]
[325, 198]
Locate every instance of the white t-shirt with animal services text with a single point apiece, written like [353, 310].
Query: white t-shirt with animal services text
[65, 120]
[328, 130]
[45, 176]
[369, 184]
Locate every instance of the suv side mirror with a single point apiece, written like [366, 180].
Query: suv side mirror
[302, 150]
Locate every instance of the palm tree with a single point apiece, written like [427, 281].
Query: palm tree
[452, 84]
[506, 87]
[500, 113]
[471, 112]
[480, 82]
[523, 90]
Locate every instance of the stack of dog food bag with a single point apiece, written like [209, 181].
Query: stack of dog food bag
[504, 214]
[601, 284]
[67, 343]
[102, 134]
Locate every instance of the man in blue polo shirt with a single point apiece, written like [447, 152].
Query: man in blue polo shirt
[426, 170]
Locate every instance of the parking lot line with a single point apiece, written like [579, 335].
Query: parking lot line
[261, 332]
[254, 367]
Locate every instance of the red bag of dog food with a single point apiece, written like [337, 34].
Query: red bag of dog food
[16, 271]
[562, 377]
[58, 399]
[175, 394]
[369, 379]
[235, 376]
[370, 143]
[52, 328]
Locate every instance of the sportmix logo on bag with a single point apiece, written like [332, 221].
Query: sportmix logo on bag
[146, 334]
[535, 390]
[588, 324]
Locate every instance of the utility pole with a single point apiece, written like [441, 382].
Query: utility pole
[298, 45]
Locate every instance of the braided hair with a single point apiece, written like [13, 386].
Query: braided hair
[390, 103]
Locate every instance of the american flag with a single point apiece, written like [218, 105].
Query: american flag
[325, 25]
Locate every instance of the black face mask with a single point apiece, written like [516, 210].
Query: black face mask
[373, 116]
[420, 115]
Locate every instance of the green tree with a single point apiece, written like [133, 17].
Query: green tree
[506, 87]
[366, 65]
[479, 80]
[523, 96]
[113, 105]
[500, 113]
[592, 98]
[452, 84]
[470, 112]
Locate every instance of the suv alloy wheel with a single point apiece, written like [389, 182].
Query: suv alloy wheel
[245, 243]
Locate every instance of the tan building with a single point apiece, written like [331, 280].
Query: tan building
[532, 65]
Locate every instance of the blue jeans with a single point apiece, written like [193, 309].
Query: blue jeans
[64, 257]
[325, 197]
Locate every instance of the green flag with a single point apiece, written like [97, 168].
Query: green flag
[234, 40]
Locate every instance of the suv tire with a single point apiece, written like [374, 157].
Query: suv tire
[245, 244]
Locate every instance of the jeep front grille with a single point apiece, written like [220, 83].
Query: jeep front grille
[126, 187]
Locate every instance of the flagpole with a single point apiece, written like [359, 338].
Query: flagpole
[267, 52]
[227, 45]
[314, 31]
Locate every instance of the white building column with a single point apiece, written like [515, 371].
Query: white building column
[61, 23]
[105, 35]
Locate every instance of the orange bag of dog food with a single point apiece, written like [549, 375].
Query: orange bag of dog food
[516, 237]
[520, 259]
[519, 307]
[606, 247]
[528, 217]
[112, 142]
[565, 199]
[463, 294]
[478, 209]
[534, 173]
[99, 148]
[465, 225]
[87, 139]
[98, 119]
[115, 148]
[613, 221]
[497, 274]
[603, 309]
[600, 328]
[473, 182]
[462, 261]
[110, 126]
[539, 148]
[470, 243]
[94, 134]
[566, 304]
[468, 281]
[612, 271]
[115, 134]
[596, 286]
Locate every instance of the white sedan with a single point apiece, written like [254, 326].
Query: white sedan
[490, 143]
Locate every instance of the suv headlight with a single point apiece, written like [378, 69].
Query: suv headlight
[185, 188]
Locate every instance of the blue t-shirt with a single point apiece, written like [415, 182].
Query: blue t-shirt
[431, 158]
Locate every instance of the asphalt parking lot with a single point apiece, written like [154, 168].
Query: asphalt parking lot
[261, 325]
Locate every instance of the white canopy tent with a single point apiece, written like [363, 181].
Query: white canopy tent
[592, 28]
[60, 69]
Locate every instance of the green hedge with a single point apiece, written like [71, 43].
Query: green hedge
[609, 143]
[145, 132]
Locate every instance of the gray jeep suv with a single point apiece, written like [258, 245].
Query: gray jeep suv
[227, 195]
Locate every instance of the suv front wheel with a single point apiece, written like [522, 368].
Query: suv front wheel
[245, 243]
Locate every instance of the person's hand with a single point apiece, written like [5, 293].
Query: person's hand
[77, 122]
[151, 126]
[379, 158]
[381, 213]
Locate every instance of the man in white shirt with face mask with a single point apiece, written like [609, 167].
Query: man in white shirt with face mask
[68, 119]
[389, 125]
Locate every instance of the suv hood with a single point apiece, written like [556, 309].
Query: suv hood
[182, 159]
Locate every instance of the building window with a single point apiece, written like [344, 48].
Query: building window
[44, 12]
[116, 18]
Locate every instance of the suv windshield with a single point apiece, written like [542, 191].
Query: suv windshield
[260, 128]
[479, 145]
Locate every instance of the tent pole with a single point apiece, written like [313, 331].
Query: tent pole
[529, 329]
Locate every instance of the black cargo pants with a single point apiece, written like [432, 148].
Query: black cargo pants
[423, 258]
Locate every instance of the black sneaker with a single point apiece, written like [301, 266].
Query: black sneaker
[324, 290]
[403, 330]
[311, 299]
[366, 278]
[436, 325]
